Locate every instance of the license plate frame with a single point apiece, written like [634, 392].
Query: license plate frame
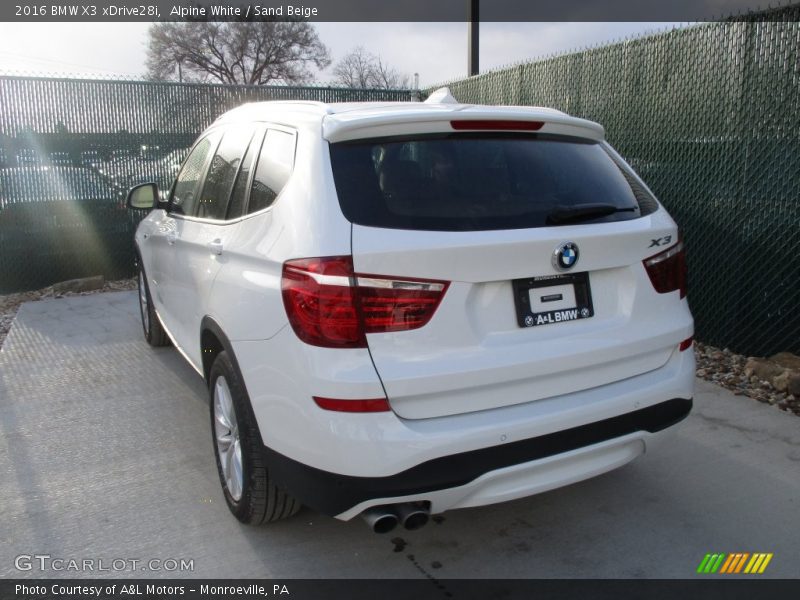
[527, 317]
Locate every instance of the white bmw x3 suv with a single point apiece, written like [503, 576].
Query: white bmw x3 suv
[405, 308]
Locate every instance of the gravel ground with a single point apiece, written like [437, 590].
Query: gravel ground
[726, 369]
[10, 302]
[722, 367]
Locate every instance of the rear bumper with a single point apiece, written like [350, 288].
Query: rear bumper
[282, 374]
[486, 475]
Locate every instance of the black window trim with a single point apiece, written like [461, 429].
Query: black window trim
[259, 131]
[238, 168]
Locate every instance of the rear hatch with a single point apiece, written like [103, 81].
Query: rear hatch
[537, 236]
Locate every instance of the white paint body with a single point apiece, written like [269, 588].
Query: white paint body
[471, 378]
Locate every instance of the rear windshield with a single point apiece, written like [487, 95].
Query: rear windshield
[474, 182]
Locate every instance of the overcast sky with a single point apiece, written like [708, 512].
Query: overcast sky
[437, 51]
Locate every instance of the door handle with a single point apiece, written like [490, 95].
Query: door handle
[215, 246]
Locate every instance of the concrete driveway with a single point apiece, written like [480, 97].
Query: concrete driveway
[105, 454]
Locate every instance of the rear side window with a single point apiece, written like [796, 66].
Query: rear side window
[224, 165]
[274, 167]
[186, 191]
[474, 182]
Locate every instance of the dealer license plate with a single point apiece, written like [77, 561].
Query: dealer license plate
[552, 299]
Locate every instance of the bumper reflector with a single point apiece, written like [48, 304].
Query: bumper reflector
[353, 406]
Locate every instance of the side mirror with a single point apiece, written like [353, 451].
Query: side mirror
[144, 196]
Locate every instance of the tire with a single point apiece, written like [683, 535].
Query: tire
[153, 332]
[249, 493]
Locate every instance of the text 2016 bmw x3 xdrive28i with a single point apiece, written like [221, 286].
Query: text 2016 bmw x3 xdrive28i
[403, 308]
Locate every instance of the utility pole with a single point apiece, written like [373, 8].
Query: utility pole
[472, 38]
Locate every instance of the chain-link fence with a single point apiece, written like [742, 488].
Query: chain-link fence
[710, 118]
[70, 149]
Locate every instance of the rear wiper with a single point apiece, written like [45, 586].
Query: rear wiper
[584, 212]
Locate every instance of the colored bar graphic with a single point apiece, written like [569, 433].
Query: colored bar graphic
[765, 563]
[731, 565]
[735, 563]
[757, 558]
[703, 563]
[727, 564]
[745, 556]
[711, 562]
[717, 563]
[759, 561]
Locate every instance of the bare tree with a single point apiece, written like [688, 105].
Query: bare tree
[253, 53]
[362, 69]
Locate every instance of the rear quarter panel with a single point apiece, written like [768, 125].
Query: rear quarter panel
[304, 221]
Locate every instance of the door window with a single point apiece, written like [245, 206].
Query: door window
[222, 171]
[187, 184]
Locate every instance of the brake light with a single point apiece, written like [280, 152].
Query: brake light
[667, 269]
[329, 305]
[496, 125]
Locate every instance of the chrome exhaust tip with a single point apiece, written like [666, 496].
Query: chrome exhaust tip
[381, 519]
[413, 516]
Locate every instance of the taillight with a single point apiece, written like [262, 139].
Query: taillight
[667, 269]
[397, 304]
[319, 298]
[329, 305]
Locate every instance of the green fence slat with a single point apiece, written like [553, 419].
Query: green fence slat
[70, 148]
[709, 116]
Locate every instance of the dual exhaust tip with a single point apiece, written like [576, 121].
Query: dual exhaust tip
[383, 519]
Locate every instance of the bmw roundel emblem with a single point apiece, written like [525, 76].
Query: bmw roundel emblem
[565, 256]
